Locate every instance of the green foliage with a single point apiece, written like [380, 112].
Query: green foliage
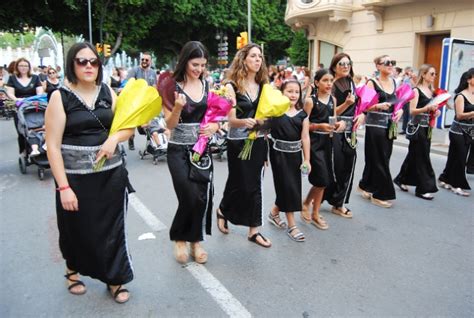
[298, 51]
[161, 26]
[15, 40]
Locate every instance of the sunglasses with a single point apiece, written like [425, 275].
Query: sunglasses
[145, 60]
[81, 61]
[388, 63]
[345, 64]
[433, 73]
[51, 73]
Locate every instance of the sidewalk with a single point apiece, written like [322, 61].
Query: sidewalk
[439, 141]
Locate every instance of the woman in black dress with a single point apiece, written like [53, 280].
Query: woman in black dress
[193, 217]
[91, 204]
[416, 169]
[321, 108]
[22, 84]
[376, 183]
[52, 81]
[290, 137]
[242, 202]
[460, 137]
[337, 193]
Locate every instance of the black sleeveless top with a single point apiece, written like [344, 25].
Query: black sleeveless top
[84, 126]
[423, 100]
[288, 127]
[246, 108]
[321, 112]
[468, 107]
[24, 91]
[342, 95]
[384, 96]
[194, 111]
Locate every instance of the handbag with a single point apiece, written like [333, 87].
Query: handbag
[200, 171]
[412, 131]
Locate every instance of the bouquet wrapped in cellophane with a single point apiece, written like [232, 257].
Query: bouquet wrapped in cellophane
[440, 99]
[272, 104]
[218, 106]
[367, 98]
[136, 105]
[404, 94]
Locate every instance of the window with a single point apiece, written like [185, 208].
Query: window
[326, 52]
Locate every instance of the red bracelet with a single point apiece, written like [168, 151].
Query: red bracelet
[63, 188]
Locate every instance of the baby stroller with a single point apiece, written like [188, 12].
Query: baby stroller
[156, 126]
[218, 144]
[7, 107]
[30, 125]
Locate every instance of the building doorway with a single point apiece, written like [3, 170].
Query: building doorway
[433, 45]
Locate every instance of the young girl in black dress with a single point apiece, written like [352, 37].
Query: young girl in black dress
[290, 136]
[416, 169]
[321, 108]
[460, 137]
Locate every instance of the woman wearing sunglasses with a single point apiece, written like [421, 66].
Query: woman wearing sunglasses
[416, 169]
[376, 183]
[91, 203]
[338, 192]
[52, 81]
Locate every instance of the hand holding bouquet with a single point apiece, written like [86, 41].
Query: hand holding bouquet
[440, 99]
[367, 98]
[404, 94]
[272, 103]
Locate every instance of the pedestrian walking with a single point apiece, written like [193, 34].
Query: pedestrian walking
[416, 169]
[344, 90]
[376, 183]
[146, 72]
[91, 203]
[461, 136]
[195, 192]
[242, 201]
[321, 108]
[289, 140]
[22, 84]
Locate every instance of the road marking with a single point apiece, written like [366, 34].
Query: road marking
[226, 301]
[146, 214]
[220, 294]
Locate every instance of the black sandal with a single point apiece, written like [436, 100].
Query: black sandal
[221, 217]
[76, 282]
[117, 292]
[253, 239]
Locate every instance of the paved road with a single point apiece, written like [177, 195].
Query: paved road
[415, 259]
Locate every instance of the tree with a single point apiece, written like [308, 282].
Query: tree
[298, 51]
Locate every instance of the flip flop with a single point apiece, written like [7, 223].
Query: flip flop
[318, 225]
[253, 239]
[345, 214]
[305, 216]
[221, 217]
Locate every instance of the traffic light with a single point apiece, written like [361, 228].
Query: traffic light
[98, 47]
[107, 52]
[242, 40]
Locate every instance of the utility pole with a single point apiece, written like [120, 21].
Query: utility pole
[249, 20]
[90, 20]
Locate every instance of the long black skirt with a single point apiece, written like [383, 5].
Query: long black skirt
[454, 173]
[242, 203]
[322, 173]
[416, 169]
[194, 213]
[376, 178]
[337, 193]
[92, 240]
[286, 179]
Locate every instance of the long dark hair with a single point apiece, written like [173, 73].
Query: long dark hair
[191, 50]
[71, 55]
[299, 104]
[463, 81]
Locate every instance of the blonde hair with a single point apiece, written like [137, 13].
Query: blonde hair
[238, 70]
[379, 58]
[421, 72]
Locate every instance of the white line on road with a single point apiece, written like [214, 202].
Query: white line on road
[146, 214]
[218, 292]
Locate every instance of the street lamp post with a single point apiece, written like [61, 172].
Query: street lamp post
[90, 20]
[249, 20]
[222, 49]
